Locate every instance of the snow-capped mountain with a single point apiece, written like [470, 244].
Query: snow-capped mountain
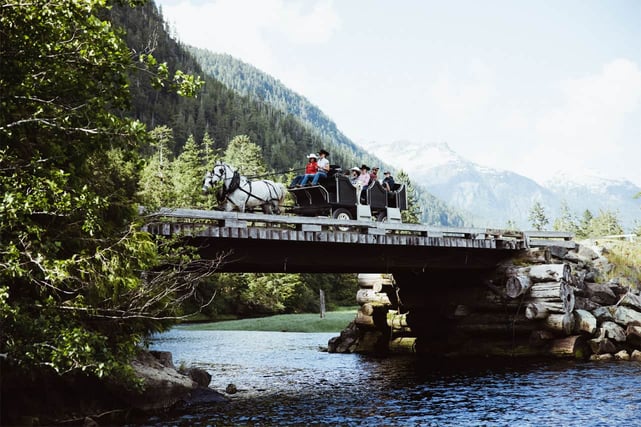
[494, 198]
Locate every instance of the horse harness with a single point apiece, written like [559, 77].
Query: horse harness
[234, 185]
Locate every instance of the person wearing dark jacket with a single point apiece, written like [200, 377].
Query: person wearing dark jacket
[388, 181]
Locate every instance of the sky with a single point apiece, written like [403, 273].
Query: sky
[537, 87]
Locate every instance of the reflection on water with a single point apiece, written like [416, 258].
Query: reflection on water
[284, 379]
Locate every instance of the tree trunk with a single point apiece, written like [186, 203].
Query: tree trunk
[403, 345]
[560, 323]
[364, 296]
[374, 281]
[517, 285]
[545, 290]
[546, 272]
[539, 309]
[573, 346]
[364, 320]
[396, 321]
[566, 293]
[537, 256]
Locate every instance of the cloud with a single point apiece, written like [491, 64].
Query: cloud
[593, 120]
[459, 96]
[246, 29]
[594, 108]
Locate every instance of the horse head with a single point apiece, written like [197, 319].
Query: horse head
[208, 182]
[220, 172]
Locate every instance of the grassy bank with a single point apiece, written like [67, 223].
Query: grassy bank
[334, 321]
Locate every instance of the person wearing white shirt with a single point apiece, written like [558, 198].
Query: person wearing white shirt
[323, 168]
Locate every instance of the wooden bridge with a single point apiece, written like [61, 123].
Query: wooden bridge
[444, 294]
[295, 244]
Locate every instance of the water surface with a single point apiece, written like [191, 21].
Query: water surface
[284, 379]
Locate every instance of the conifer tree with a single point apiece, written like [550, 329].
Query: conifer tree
[208, 150]
[187, 174]
[606, 223]
[156, 184]
[246, 157]
[413, 213]
[566, 221]
[537, 216]
[583, 229]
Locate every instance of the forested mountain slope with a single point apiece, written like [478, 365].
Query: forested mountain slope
[247, 80]
[284, 124]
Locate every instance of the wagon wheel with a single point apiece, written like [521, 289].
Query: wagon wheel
[382, 216]
[342, 214]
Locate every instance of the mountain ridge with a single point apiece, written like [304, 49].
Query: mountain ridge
[491, 195]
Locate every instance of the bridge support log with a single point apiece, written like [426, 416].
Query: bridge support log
[370, 296]
[573, 346]
[560, 323]
[538, 310]
[403, 345]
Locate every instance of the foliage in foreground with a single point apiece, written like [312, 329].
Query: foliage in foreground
[74, 295]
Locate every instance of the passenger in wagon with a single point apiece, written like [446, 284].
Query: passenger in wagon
[310, 169]
[354, 174]
[373, 176]
[363, 178]
[388, 181]
[323, 169]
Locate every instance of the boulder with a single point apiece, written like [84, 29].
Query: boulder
[603, 314]
[601, 293]
[622, 355]
[601, 357]
[163, 386]
[633, 335]
[587, 252]
[346, 342]
[624, 315]
[613, 331]
[199, 375]
[636, 356]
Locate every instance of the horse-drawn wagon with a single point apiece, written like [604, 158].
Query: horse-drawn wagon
[337, 197]
[334, 196]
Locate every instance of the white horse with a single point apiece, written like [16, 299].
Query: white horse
[238, 193]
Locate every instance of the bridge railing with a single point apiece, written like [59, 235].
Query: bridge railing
[562, 239]
[237, 219]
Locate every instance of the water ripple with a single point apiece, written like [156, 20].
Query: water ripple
[283, 379]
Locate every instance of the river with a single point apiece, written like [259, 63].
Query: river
[285, 379]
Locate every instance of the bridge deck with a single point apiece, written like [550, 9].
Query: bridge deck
[279, 243]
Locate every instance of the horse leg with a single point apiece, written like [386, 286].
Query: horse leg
[267, 208]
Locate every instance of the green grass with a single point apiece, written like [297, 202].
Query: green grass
[334, 321]
[626, 257]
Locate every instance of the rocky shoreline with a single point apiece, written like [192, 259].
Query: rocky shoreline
[90, 402]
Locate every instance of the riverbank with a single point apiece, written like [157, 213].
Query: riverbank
[334, 321]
